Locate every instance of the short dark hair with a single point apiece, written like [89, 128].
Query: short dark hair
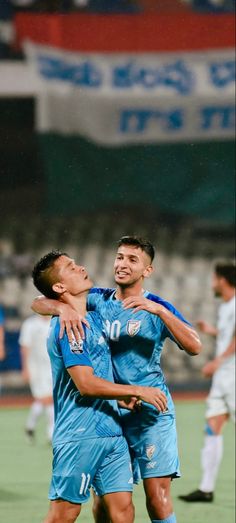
[226, 269]
[144, 244]
[42, 273]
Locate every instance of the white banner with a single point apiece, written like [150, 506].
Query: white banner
[135, 98]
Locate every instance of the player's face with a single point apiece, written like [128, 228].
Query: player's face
[71, 276]
[131, 265]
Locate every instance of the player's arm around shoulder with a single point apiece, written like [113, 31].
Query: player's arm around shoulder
[183, 333]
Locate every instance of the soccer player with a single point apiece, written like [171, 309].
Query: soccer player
[36, 370]
[138, 323]
[2, 344]
[221, 398]
[2, 338]
[88, 445]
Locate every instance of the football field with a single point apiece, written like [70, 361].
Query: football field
[25, 472]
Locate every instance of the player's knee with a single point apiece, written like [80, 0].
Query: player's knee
[124, 513]
[59, 514]
[99, 511]
[209, 431]
[159, 499]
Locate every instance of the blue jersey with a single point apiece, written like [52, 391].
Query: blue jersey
[136, 340]
[1, 316]
[78, 417]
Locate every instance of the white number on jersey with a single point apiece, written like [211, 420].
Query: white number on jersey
[113, 329]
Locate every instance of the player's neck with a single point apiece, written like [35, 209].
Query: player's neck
[228, 294]
[126, 292]
[78, 302]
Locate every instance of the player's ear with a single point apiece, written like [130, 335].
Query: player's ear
[148, 271]
[58, 287]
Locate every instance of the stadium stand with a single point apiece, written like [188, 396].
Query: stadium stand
[182, 272]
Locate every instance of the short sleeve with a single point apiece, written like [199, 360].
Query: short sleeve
[74, 353]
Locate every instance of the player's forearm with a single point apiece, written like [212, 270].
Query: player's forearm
[47, 307]
[2, 345]
[100, 388]
[184, 335]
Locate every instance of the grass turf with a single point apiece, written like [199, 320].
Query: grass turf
[25, 472]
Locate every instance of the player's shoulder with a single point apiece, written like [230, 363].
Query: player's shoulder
[94, 319]
[104, 292]
[161, 301]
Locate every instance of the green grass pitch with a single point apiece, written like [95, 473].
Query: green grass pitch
[25, 472]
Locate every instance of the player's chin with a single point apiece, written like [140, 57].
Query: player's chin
[122, 281]
[88, 284]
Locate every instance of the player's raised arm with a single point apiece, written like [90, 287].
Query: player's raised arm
[70, 320]
[90, 385]
[184, 334]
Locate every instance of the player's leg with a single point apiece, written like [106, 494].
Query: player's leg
[99, 510]
[157, 454]
[119, 507]
[47, 402]
[212, 452]
[35, 412]
[158, 499]
[113, 482]
[220, 405]
[61, 511]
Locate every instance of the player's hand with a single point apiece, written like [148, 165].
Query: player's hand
[206, 328]
[73, 323]
[211, 367]
[139, 303]
[25, 375]
[129, 403]
[155, 397]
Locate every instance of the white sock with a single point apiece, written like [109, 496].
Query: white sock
[211, 455]
[35, 411]
[49, 409]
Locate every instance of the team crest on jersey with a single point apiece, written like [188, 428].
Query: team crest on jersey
[76, 346]
[150, 451]
[133, 327]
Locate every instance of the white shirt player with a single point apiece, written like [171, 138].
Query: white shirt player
[33, 336]
[226, 331]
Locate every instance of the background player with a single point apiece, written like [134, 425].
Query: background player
[221, 399]
[88, 442]
[36, 371]
[2, 339]
[2, 343]
[136, 342]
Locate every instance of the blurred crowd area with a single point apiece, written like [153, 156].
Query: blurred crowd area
[185, 254]
[186, 246]
[9, 8]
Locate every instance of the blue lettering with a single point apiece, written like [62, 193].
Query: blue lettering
[176, 76]
[218, 117]
[84, 74]
[138, 120]
[222, 73]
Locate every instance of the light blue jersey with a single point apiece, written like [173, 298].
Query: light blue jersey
[136, 343]
[88, 445]
[78, 417]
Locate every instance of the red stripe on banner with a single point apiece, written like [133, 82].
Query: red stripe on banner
[128, 33]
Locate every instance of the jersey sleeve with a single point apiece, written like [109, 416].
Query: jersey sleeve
[74, 353]
[165, 331]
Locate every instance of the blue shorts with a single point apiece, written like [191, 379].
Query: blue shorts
[103, 463]
[153, 443]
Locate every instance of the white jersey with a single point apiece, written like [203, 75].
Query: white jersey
[226, 331]
[33, 336]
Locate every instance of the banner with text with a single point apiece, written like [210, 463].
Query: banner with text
[135, 98]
